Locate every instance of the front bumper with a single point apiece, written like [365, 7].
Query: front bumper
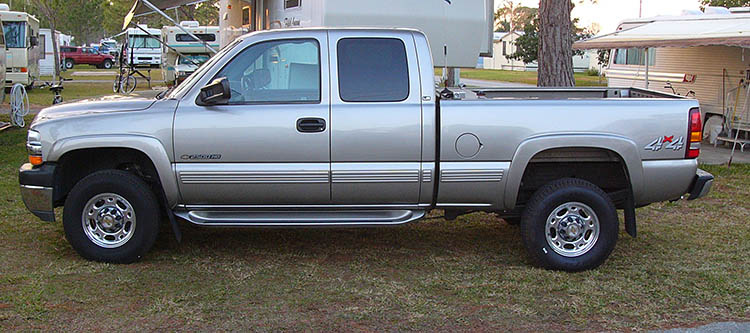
[701, 184]
[37, 190]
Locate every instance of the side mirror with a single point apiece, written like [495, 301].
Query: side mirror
[215, 93]
[34, 41]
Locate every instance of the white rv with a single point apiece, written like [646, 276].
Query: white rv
[192, 53]
[459, 30]
[47, 61]
[22, 46]
[144, 48]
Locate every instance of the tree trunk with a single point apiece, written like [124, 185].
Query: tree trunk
[555, 44]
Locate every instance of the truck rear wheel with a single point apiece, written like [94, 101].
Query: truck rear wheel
[111, 216]
[570, 225]
[69, 63]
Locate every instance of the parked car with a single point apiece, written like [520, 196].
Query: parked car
[85, 56]
[344, 128]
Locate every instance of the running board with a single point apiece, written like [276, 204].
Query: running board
[346, 218]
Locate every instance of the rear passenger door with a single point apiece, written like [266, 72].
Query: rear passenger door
[376, 118]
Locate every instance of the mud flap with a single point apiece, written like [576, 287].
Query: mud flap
[629, 212]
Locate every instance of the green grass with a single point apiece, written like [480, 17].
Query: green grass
[582, 80]
[42, 97]
[688, 266]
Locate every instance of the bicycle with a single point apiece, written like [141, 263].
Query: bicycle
[689, 94]
[125, 82]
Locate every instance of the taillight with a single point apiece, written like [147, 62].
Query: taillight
[24, 69]
[695, 134]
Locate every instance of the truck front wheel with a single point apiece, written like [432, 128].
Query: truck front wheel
[107, 64]
[111, 216]
[570, 225]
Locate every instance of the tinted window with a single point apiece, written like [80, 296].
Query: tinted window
[291, 3]
[15, 34]
[285, 71]
[372, 70]
[143, 41]
[187, 38]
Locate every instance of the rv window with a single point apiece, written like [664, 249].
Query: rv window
[285, 71]
[372, 70]
[291, 3]
[187, 38]
[634, 56]
[143, 41]
[2, 37]
[15, 34]
[43, 43]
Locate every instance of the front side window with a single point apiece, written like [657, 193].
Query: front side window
[372, 70]
[284, 71]
[15, 34]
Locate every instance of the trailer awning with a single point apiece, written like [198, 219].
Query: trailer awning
[164, 5]
[682, 31]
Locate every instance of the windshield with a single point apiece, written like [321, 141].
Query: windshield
[110, 45]
[142, 41]
[193, 59]
[185, 85]
[15, 34]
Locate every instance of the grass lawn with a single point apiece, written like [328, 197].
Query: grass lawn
[582, 80]
[688, 266]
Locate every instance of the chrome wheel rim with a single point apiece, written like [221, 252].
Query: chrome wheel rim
[108, 220]
[572, 229]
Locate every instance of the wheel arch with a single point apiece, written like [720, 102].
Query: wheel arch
[149, 147]
[623, 147]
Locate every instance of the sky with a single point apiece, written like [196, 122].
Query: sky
[609, 13]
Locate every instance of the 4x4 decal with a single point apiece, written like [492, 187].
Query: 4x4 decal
[666, 142]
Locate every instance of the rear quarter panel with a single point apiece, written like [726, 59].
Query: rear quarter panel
[515, 130]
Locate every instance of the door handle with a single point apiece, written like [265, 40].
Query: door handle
[311, 125]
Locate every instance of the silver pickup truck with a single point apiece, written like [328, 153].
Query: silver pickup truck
[344, 128]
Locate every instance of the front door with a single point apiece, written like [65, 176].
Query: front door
[270, 145]
[376, 118]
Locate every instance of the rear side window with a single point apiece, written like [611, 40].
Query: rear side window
[372, 70]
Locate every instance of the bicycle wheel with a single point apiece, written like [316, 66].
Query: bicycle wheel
[116, 84]
[128, 84]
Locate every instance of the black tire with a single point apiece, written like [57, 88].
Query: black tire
[107, 64]
[69, 64]
[144, 205]
[548, 199]
[515, 220]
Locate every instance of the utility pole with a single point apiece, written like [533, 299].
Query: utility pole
[640, 10]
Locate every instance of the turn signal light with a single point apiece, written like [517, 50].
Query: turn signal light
[695, 134]
[35, 160]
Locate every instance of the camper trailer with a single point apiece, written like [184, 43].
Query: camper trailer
[711, 72]
[47, 61]
[459, 31]
[22, 46]
[192, 53]
[144, 48]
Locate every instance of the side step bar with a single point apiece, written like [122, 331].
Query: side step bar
[349, 218]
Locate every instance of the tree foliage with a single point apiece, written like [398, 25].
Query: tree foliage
[527, 45]
[725, 3]
[514, 17]
[91, 20]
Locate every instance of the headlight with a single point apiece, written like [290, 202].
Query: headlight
[34, 147]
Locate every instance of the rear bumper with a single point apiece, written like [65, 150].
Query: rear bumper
[37, 190]
[701, 185]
